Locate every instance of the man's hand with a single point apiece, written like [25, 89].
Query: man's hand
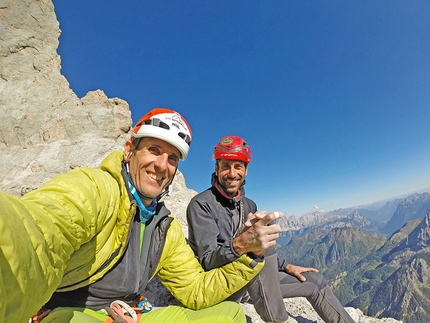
[259, 233]
[297, 271]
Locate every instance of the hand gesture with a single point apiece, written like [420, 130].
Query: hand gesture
[259, 233]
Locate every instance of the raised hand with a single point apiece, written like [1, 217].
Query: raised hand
[259, 233]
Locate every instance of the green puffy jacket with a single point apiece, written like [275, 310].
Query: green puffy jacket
[73, 229]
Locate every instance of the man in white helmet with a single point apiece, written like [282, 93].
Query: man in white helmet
[83, 247]
[217, 231]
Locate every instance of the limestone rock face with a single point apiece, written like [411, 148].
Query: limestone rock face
[45, 129]
[178, 200]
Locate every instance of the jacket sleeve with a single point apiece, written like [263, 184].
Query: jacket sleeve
[195, 288]
[204, 234]
[39, 233]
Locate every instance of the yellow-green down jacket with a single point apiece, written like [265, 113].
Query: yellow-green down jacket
[72, 230]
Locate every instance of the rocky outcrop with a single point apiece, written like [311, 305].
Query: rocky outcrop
[177, 201]
[419, 238]
[404, 295]
[415, 206]
[45, 129]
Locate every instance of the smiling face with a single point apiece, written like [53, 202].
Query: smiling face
[231, 174]
[152, 166]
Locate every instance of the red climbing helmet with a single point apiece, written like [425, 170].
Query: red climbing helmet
[232, 147]
[167, 125]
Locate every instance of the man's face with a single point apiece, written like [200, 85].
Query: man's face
[231, 174]
[152, 165]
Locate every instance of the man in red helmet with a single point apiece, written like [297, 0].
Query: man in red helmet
[86, 243]
[219, 224]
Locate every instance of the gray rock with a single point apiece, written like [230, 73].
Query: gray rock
[45, 128]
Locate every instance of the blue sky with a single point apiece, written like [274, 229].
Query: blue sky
[332, 96]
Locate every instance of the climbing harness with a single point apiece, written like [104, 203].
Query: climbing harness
[118, 311]
[121, 312]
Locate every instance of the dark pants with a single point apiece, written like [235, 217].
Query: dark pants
[268, 289]
[318, 293]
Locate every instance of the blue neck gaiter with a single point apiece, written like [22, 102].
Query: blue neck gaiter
[145, 212]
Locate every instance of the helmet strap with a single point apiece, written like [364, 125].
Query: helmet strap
[168, 189]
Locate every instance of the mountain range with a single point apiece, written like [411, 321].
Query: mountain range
[384, 219]
[382, 276]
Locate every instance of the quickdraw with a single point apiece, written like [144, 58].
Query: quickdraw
[144, 305]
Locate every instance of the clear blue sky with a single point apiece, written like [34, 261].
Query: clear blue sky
[332, 96]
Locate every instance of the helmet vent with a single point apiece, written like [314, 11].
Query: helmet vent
[185, 137]
[157, 123]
